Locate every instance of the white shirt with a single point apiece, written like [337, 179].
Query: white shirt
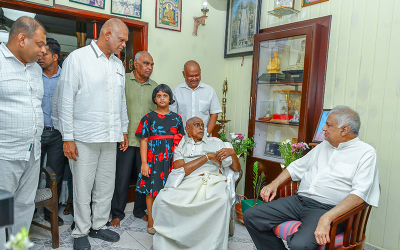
[329, 174]
[200, 102]
[91, 102]
[21, 115]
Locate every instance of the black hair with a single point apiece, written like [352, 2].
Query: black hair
[166, 89]
[54, 47]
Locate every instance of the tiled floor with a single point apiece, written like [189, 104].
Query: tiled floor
[132, 231]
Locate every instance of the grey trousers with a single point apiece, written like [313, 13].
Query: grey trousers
[93, 181]
[260, 221]
[21, 178]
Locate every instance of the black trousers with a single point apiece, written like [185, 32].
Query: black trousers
[261, 219]
[127, 162]
[52, 145]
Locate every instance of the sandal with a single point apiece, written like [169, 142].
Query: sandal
[68, 208]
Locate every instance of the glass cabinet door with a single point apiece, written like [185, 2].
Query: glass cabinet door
[279, 91]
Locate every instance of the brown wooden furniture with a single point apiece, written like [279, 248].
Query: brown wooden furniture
[233, 211]
[356, 221]
[47, 197]
[316, 34]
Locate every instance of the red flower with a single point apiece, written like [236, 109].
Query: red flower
[155, 193]
[173, 130]
[166, 153]
[142, 182]
[162, 175]
[140, 127]
[147, 115]
[169, 170]
[149, 156]
[180, 117]
[160, 156]
[151, 128]
[161, 116]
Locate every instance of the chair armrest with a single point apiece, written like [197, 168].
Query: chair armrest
[349, 214]
[284, 184]
[238, 180]
[49, 173]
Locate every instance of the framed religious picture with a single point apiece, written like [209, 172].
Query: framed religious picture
[242, 23]
[128, 8]
[319, 134]
[94, 3]
[49, 3]
[305, 3]
[169, 14]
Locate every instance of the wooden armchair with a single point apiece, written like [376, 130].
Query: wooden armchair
[47, 197]
[233, 212]
[355, 220]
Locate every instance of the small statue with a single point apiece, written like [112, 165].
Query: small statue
[283, 110]
[269, 114]
[300, 58]
[296, 117]
[274, 64]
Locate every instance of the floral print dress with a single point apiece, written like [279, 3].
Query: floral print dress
[164, 133]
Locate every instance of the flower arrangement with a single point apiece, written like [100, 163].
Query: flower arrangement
[258, 182]
[291, 152]
[20, 241]
[240, 144]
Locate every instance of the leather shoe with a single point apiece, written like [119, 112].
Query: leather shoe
[60, 221]
[104, 234]
[82, 243]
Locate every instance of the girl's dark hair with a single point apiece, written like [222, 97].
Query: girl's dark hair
[166, 89]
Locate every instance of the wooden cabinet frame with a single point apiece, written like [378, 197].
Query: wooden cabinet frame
[313, 87]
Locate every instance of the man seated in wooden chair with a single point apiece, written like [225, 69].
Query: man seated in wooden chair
[336, 176]
[193, 211]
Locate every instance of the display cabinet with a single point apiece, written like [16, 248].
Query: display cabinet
[288, 79]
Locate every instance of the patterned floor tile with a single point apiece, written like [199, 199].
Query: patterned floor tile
[145, 239]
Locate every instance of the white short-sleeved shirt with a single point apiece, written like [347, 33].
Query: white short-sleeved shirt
[329, 174]
[200, 102]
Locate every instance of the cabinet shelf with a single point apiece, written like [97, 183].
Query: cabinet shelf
[279, 123]
[282, 83]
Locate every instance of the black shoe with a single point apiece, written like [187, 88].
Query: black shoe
[73, 225]
[82, 243]
[60, 221]
[104, 234]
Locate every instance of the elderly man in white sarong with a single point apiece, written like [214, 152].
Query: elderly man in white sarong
[193, 210]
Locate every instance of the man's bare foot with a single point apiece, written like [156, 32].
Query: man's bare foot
[145, 218]
[115, 222]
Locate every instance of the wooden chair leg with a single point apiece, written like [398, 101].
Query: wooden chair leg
[55, 236]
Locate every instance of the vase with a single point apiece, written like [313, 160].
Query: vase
[239, 155]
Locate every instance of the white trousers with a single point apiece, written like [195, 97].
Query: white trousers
[21, 178]
[93, 181]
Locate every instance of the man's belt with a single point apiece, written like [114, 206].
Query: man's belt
[176, 139]
[49, 129]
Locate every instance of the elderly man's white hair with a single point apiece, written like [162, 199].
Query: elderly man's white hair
[345, 116]
[139, 54]
[188, 122]
[113, 24]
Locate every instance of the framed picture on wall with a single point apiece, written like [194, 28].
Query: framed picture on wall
[129, 8]
[93, 3]
[242, 23]
[169, 14]
[319, 134]
[305, 3]
[49, 3]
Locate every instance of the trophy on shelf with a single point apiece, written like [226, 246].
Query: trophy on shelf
[223, 119]
[286, 106]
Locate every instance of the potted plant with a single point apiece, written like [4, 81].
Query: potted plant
[240, 144]
[258, 184]
[291, 152]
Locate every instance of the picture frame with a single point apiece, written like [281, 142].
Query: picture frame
[127, 8]
[305, 3]
[318, 135]
[48, 3]
[242, 23]
[271, 149]
[93, 3]
[169, 15]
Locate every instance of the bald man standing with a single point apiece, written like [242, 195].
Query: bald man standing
[92, 118]
[21, 117]
[194, 98]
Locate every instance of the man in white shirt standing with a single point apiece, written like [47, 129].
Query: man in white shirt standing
[92, 118]
[21, 117]
[194, 98]
[336, 176]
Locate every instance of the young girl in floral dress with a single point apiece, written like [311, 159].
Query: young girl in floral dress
[160, 131]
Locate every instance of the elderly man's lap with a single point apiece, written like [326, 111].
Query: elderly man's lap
[261, 219]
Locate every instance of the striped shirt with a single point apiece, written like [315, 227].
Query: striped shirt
[21, 115]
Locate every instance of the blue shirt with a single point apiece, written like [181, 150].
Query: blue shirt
[49, 84]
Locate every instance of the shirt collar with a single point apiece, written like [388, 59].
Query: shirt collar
[132, 77]
[185, 85]
[55, 75]
[191, 141]
[343, 145]
[9, 54]
[97, 50]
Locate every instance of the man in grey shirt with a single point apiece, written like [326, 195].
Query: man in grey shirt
[21, 117]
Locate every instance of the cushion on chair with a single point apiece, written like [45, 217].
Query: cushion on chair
[43, 194]
[287, 228]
